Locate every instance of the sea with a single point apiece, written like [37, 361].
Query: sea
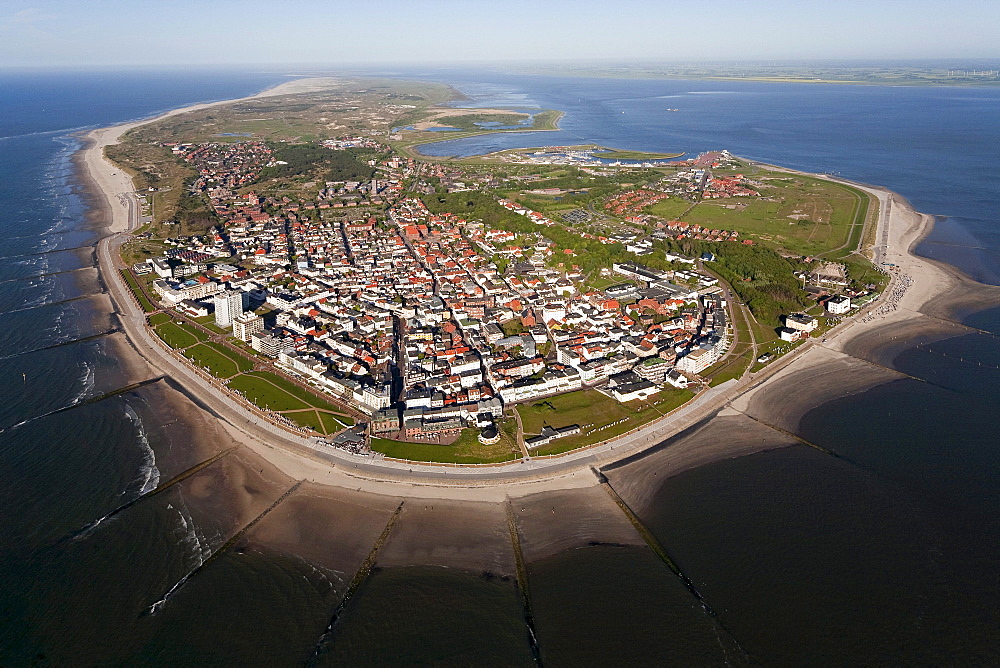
[883, 549]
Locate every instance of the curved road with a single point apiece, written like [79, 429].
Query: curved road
[133, 322]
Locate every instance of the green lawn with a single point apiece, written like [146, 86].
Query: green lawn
[272, 392]
[308, 419]
[133, 284]
[332, 423]
[599, 283]
[259, 391]
[218, 360]
[802, 214]
[159, 319]
[242, 361]
[300, 393]
[863, 271]
[671, 209]
[582, 407]
[466, 450]
[633, 414]
[208, 322]
[512, 327]
[732, 367]
[179, 335]
[323, 423]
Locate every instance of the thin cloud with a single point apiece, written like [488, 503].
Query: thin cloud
[26, 17]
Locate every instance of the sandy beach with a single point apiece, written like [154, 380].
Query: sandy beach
[773, 394]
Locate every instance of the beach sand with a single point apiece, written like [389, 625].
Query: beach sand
[820, 377]
[332, 528]
[466, 535]
[726, 436]
[552, 522]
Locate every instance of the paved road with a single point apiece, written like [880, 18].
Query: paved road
[134, 324]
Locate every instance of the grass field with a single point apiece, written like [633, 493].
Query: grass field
[582, 408]
[181, 335]
[272, 392]
[265, 394]
[208, 322]
[732, 367]
[242, 361]
[159, 319]
[466, 450]
[310, 419]
[296, 391]
[333, 423]
[801, 214]
[860, 269]
[133, 284]
[592, 407]
[671, 209]
[218, 360]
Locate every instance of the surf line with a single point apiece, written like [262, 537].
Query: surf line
[53, 303]
[50, 273]
[664, 556]
[183, 475]
[85, 339]
[152, 610]
[85, 402]
[359, 578]
[522, 582]
[89, 247]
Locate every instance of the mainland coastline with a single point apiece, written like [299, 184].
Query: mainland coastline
[773, 396]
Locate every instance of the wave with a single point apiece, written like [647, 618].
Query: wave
[43, 301]
[323, 574]
[87, 382]
[193, 539]
[43, 292]
[43, 133]
[149, 476]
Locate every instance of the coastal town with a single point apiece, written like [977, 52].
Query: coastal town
[416, 324]
[491, 335]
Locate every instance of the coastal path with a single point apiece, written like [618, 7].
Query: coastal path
[261, 428]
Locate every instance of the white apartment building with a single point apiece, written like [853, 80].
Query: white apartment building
[246, 325]
[228, 305]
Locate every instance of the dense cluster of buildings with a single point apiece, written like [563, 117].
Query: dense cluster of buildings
[405, 316]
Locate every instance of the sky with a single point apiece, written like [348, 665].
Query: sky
[101, 33]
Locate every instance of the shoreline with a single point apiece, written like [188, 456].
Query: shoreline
[899, 228]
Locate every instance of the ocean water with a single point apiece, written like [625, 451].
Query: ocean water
[885, 554]
[929, 144]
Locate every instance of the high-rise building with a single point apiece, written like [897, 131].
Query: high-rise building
[246, 325]
[228, 305]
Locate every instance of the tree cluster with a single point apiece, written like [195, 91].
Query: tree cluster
[347, 165]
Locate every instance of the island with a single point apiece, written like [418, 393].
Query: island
[294, 257]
